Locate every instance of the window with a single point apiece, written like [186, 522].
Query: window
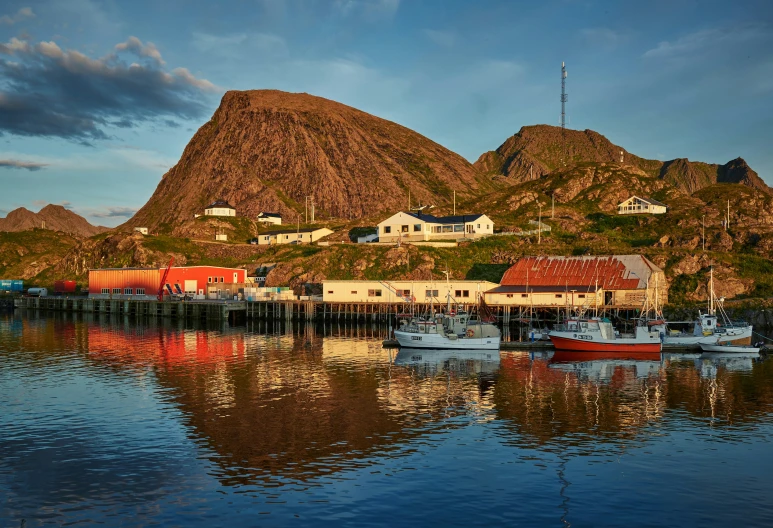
[406, 293]
[387, 229]
[330, 292]
[448, 229]
[354, 292]
[431, 293]
[105, 290]
[458, 293]
[417, 227]
[140, 291]
[488, 226]
[287, 237]
[509, 295]
[459, 228]
[524, 295]
[466, 293]
[209, 280]
[127, 291]
[404, 229]
[265, 238]
[559, 296]
[221, 279]
[581, 296]
[374, 293]
[116, 291]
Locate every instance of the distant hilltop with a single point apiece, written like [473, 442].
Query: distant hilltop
[52, 217]
[536, 151]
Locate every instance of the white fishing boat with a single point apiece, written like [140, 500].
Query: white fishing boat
[451, 330]
[707, 329]
[729, 349]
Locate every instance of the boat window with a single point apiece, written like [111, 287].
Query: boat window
[584, 325]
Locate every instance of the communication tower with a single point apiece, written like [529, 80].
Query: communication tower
[564, 99]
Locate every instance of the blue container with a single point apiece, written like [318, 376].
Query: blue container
[11, 285]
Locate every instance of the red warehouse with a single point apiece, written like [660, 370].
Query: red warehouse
[144, 282]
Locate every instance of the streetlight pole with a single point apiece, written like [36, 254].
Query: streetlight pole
[552, 204]
[703, 231]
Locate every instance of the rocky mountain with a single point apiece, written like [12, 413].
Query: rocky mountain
[266, 150]
[52, 217]
[536, 151]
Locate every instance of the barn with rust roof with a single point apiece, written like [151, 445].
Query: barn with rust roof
[615, 281]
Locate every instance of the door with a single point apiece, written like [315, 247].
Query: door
[191, 286]
[608, 298]
[236, 277]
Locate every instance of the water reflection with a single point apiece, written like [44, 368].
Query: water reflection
[122, 409]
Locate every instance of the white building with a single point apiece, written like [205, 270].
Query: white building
[270, 218]
[414, 227]
[302, 236]
[427, 291]
[220, 208]
[638, 205]
[143, 230]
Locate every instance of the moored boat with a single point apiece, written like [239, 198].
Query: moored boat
[595, 334]
[727, 348]
[454, 330]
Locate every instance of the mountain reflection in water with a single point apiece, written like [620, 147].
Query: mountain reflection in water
[275, 410]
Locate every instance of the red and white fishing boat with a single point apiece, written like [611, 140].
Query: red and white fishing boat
[595, 334]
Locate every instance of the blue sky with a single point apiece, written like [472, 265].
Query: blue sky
[98, 99]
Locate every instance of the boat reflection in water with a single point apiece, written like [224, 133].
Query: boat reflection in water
[473, 362]
[708, 363]
[602, 366]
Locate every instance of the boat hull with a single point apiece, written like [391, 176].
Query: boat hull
[440, 342]
[569, 344]
[729, 349]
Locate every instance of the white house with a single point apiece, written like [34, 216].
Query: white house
[302, 236]
[426, 291]
[143, 230]
[270, 218]
[220, 208]
[414, 227]
[638, 205]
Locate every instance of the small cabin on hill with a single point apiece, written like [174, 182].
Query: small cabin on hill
[294, 236]
[415, 227]
[270, 218]
[639, 205]
[619, 281]
[220, 208]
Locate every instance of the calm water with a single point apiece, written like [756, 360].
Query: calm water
[111, 422]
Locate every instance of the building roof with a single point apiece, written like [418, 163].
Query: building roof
[615, 272]
[292, 231]
[269, 215]
[458, 219]
[555, 288]
[644, 199]
[220, 203]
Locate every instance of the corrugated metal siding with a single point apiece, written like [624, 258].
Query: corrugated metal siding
[149, 278]
[124, 278]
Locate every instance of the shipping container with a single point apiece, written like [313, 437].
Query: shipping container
[11, 285]
[37, 292]
[64, 286]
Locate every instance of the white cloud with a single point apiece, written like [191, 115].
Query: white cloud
[112, 212]
[22, 14]
[372, 10]
[228, 45]
[706, 39]
[136, 46]
[445, 39]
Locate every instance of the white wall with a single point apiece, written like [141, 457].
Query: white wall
[360, 291]
[219, 211]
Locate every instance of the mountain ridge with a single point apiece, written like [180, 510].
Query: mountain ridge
[535, 151]
[51, 217]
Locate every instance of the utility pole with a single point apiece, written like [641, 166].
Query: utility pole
[552, 204]
[539, 226]
[727, 218]
[454, 203]
[307, 209]
[703, 231]
[312, 209]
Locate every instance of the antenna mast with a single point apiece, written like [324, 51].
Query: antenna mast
[564, 99]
